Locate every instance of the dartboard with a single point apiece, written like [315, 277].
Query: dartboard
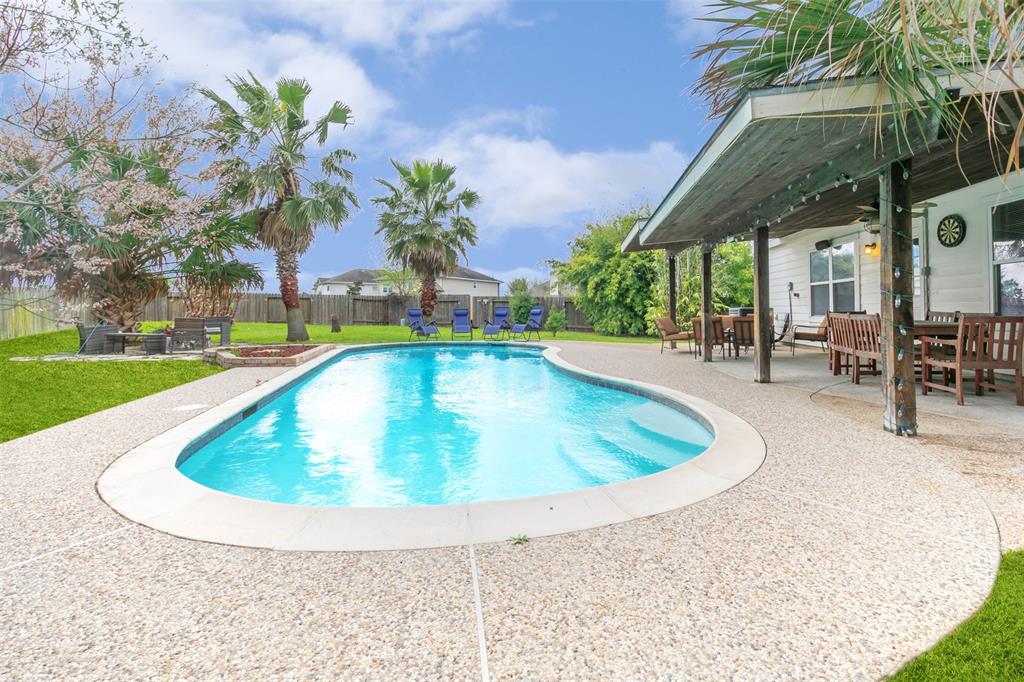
[952, 230]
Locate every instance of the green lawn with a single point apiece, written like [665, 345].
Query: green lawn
[35, 395]
[989, 645]
[259, 332]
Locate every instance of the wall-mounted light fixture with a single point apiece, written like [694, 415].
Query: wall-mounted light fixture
[870, 249]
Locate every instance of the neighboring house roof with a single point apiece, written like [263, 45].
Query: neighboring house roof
[370, 275]
[466, 273]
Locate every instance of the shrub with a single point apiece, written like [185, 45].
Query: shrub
[555, 322]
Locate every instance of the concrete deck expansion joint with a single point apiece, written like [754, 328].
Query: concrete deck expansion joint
[146, 486]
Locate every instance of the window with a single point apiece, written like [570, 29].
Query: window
[833, 279]
[1008, 257]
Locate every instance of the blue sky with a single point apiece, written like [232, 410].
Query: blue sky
[556, 112]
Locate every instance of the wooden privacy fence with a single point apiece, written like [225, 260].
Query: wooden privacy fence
[357, 309]
[34, 311]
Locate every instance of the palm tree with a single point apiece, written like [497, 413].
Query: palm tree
[423, 225]
[266, 166]
[903, 43]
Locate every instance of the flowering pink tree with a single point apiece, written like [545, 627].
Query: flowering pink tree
[100, 196]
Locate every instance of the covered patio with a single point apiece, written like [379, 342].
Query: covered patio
[796, 158]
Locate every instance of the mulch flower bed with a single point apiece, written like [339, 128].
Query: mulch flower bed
[270, 351]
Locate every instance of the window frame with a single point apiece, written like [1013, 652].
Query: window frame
[994, 262]
[832, 281]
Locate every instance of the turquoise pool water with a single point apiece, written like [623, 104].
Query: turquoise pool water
[442, 425]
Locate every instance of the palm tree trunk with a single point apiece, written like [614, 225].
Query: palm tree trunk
[288, 275]
[428, 295]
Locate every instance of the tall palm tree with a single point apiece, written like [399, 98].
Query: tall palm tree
[904, 43]
[266, 167]
[422, 223]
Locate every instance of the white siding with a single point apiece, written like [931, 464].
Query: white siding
[961, 277]
[468, 287]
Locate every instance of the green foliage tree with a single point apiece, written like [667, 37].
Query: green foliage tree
[519, 300]
[732, 276]
[402, 281]
[614, 289]
[555, 322]
[264, 145]
[423, 225]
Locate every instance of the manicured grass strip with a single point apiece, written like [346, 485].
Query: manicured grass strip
[989, 645]
[37, 394]
[259, 332]
[50, 343]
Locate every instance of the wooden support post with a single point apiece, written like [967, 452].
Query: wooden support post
[899, 397]
[762, 315]
[708, 333]
[672, 288]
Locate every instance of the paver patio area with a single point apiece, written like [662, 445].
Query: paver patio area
[847, 553]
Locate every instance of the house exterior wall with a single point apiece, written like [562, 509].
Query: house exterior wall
[468, 287]
[961, 278]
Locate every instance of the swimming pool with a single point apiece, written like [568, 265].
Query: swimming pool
[441, 425]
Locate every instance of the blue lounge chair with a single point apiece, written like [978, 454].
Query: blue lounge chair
[460, 323]
[531, 326]
[419, 328]
[499, 326]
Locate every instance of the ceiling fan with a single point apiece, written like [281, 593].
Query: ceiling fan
[870, 217]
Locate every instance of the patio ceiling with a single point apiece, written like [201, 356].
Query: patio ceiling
[807, 157]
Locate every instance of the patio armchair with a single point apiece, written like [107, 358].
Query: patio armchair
[461, 323]
[808, 333]
[984, 343]
[92, 340]
[742, 334]
[189, 333]
[669, 332]
[419, 328]
[531, 326]
[494, 330]
[717, 337]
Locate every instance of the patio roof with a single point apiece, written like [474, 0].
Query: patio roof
[806, 156]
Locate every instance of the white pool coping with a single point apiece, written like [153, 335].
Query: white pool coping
[145, 486]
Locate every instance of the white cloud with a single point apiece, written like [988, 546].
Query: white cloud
[526, 181]
[683, 16]
[205, 42]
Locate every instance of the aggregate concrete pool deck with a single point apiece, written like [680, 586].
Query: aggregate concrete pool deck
[847, 553]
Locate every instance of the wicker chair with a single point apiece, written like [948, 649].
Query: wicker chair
[189, 333]
[93, 340]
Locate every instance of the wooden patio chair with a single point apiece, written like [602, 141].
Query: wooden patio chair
[669, 332]
[867, 345]
[940, 316]
[984, 343]
[808, 333]
[840, 342]
[717, 339]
